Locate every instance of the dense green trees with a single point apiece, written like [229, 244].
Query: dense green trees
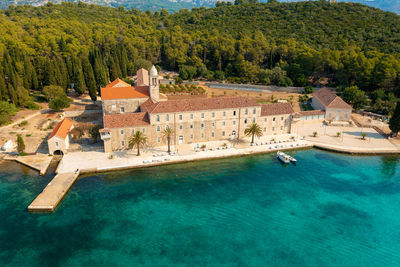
[6, 111]
[283, 44]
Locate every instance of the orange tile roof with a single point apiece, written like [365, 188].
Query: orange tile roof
[276, 109]
[109, 93]
[126, 120]
[62, 129]
[330, 99]
[118, 81]
[196, 104]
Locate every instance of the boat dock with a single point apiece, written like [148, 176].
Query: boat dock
[54, 192]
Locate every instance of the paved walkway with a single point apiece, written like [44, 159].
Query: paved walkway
[350, 139]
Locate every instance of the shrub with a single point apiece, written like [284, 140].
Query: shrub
[52, 92]
[32, 105]
[60, 103]
[23, 123]
[338, 134]
[94, 132]
[308, 89]
[315, 134]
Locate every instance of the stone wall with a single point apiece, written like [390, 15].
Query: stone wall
[115, 106]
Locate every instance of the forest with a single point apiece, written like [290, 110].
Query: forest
[285, 44]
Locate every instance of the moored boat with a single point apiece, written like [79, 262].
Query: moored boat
[283, 157]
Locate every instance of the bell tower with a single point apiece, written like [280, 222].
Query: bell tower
[154, 84]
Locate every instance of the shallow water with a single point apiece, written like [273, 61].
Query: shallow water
[328, 210]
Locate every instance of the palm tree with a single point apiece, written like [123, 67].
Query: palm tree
[137, 139]
[167, 134]
[363, 135]
[254, 130]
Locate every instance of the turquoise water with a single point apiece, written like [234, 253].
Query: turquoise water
[329, 210]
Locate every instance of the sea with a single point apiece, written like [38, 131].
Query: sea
[327, 210]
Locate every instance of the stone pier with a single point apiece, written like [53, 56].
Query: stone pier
[51, 196]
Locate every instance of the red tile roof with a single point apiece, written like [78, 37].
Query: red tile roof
[196, 104]
[330, 99]
[62, 129]
[126, 120]
[311, 112]
[118, 81]
[109, 93]
[276, 109]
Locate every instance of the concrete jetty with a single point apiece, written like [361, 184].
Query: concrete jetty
[39, 162]
[54, 192]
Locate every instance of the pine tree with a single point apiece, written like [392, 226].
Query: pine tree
[394, 123]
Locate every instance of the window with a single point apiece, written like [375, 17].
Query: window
[202, 126]
[212, 124]
[122, 131]
[191, 136]
[167, 117]
[191, 126]
[281, 128]
[234, 113]
[158, 118]
[234, 122]
[144, 130]
[159, 139]
[202, 135]
[245, 121]
[329, 115]
[56, 143]
[212, 134]
[213, 114]
[273, 128]
[265, 129]
[254, 111]
[223, 123]
[158, 128]
[122, 109]
[223, 133]
[273, 119]
[224, 114]
[191, 116]
[180, 117]
[281, 118]
[180, 127]
[265, 119]
[122, 143]
[202, 115]
[254, 120]
[246, 111]
[133, 131]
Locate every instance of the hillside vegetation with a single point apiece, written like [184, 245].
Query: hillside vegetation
[269, 43]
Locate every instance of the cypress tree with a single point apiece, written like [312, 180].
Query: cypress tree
[89, 77]
[28, 72]
[100, 71]
[77, 76]
[394, 122]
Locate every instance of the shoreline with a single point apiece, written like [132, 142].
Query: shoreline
[203, 155]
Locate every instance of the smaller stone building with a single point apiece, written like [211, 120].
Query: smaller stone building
[58, 141]
[334, 106]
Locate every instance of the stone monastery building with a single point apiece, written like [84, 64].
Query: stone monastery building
[127, 109]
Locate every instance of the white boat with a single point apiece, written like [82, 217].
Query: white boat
[7, 146]
[283, 157]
